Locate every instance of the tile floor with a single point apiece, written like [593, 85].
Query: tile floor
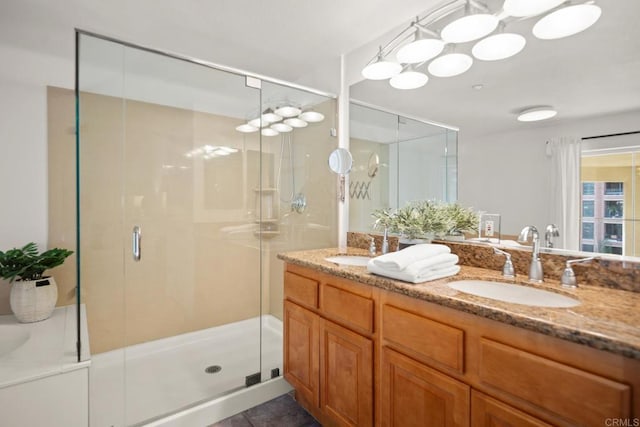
[282, 411]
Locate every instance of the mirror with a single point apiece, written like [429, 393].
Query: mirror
[396, 160]
[503, 166]
[340, 161]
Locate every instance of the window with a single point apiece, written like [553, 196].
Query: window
[587, 248]
[613, 189]
[613, 232]
[587, 230]
[611, 250]
[612, 208]
[588, 208]
[588, 189]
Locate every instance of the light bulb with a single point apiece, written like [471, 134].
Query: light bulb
[451, 64]
[498, 46]
[469, 27]
[567, 21]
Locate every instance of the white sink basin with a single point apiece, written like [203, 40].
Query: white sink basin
[360, 261]
[516, 294]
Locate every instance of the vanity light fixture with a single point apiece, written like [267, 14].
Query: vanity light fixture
[421, 48]
[409, 79]
[535, 114]
[526, 8]
[381, 69]
[498, 46]
[567, 21]
[427, 37]
[472, 26]
[450, 64]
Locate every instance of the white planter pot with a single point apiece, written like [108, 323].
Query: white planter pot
[33, 300]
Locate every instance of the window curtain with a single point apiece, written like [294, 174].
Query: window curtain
[564, 194]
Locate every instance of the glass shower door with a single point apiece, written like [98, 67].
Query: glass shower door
[168, 191]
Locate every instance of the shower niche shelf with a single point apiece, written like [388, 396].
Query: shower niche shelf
[266, 202]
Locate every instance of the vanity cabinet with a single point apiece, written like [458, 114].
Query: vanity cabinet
[329, 347]
[359, 355]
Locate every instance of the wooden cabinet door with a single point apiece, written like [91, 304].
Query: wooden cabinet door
[346, 376]
[301, 367]
[414, 395]
[489, 412]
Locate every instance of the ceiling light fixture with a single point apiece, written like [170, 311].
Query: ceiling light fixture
[270, 117]
[472, 26]
[422, 40]
[381, 69]
[257, 123]
[449, 65]
[567, 21]
[269, 132]
[535, 114]
[498, 46]
[421, 49]
[526, 8]
[409, 79]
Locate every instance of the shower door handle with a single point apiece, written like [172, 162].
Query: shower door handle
[137, 233]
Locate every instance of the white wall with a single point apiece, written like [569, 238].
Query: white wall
[507, 173]
[23, 134]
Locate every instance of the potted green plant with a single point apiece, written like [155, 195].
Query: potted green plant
[33, 296]
[421, 221]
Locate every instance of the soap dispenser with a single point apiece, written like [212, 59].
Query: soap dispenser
[372, 247]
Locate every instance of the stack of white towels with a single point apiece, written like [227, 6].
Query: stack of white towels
[417, 263]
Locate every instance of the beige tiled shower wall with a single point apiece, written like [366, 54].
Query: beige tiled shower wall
[200, 263]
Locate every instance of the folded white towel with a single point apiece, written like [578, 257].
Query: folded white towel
[436, 262]
[432, 274]
[397, 261]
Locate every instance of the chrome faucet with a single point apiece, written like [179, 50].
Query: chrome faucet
[568, 279]
[507, 269]
[549, 233]
[536, 274]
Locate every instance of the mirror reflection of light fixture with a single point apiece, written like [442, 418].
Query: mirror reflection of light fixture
[450, 64]
[270, 117]
[246, 128]
[535, 114]
[257, 123]
[567, 21]
[524, 8]
[381, 69]
[281, 127]
[409, 79]
[296, 122]
[269, 132]
[287, 111]
[498, 46]
[311, 116]
[420, 50]
[472, 26]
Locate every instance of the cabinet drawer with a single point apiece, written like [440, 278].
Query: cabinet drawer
[431, 342]
[301, 289]
[352, 310]
[489, 412]
[577, 396]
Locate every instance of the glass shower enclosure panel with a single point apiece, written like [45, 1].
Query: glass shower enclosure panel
[170, 261]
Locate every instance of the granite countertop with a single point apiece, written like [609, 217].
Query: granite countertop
[606, 319]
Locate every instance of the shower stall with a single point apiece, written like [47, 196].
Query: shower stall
[191, 178]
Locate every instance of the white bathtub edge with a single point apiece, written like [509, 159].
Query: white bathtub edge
[213, 411]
